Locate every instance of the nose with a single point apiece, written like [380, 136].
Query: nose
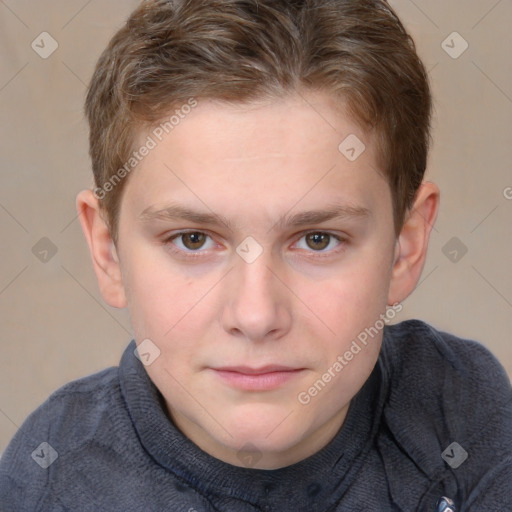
[257, 304]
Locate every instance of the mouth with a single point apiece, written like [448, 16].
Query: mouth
[264, 378]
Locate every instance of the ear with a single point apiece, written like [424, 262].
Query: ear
[412, 243]
[102, 248]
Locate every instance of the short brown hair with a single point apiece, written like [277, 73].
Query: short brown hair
[170, 51]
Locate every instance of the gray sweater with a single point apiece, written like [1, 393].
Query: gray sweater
[434, 419]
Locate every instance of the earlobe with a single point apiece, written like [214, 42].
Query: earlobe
[412, 243]
[103, 251]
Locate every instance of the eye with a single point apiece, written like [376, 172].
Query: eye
[196, 242]
[191, 241]
[319, 241]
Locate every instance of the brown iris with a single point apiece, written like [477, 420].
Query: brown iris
[318, 241]
[194, 240]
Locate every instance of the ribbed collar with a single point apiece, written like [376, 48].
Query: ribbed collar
[316, 482]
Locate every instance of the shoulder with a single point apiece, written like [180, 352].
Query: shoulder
[69, 419]
[72, 412]
[417, 352]
[449, 408]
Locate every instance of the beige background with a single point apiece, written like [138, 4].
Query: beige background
[54, 325]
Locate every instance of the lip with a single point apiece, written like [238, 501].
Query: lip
[257, 379]
[247, 370]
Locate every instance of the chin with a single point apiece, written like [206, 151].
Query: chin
[269, 428]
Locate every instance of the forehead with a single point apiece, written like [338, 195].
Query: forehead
[299, 149]
[264, 128]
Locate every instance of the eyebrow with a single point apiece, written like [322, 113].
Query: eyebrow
[179, 212]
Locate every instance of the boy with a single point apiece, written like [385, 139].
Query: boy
[260, 209]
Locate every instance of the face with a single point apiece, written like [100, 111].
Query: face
[253, 253]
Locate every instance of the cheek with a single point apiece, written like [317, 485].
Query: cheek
[350, 299]
[348, 308]
[170, 307]
[157, 297]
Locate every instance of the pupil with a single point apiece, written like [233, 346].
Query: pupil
[193, 240]
[320, 240]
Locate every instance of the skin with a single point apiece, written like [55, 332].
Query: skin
[301, 303]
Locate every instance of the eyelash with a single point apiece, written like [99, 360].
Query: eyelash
[199, 253]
